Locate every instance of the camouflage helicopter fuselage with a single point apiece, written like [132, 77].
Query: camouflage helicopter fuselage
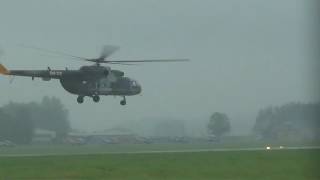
[87, 81]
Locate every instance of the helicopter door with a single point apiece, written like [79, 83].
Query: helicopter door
[104, 86]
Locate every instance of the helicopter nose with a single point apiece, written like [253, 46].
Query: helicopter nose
[139, 89]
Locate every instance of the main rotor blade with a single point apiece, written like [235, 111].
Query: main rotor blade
[55, 52]
[128, 64]
[147, 60]
[107, 51]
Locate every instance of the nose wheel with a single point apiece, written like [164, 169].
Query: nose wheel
[96, 98]
[80, 99]
[123, 102]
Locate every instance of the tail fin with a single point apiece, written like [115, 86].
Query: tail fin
[3, 70]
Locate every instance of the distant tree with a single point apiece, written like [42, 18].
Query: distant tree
[18, 120]
[291, 121]
[52, 115]
[265, 123]
[219, 124]
[5, 125]
[16, 124]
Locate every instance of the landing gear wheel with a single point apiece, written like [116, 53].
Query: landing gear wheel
[80, 99]
[96, 98]
[123, 102]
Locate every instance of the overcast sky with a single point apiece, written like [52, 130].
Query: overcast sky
[245, 55]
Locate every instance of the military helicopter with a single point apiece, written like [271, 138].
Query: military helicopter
[93, 80]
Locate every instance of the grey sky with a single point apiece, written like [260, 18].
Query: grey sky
[245, 55]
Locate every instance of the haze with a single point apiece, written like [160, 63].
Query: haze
[245, 55]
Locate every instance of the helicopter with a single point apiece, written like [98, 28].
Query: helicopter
[91, 80]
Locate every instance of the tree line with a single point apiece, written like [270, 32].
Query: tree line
[293, 121]
[289, 122]
[18, 121]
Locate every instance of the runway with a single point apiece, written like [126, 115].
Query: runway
[164, 151]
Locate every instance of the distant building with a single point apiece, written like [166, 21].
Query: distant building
[42, 136]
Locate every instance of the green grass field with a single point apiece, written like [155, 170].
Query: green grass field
[277, 164]
[97, 149]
